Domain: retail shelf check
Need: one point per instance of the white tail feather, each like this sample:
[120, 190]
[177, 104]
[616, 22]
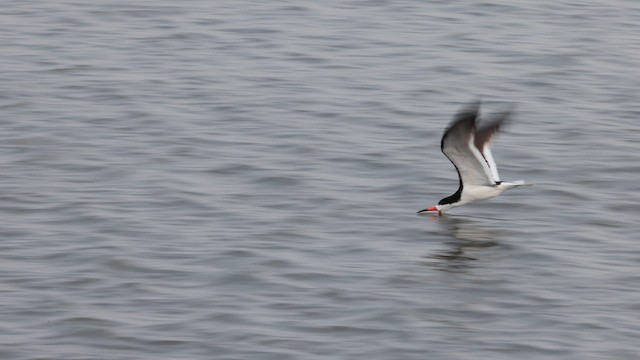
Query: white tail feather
[516, 183]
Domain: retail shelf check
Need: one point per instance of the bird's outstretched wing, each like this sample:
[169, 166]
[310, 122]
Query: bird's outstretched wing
[459, 146]
[485, 135]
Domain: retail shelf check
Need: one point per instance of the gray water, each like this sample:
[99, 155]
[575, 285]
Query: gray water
[239, 180]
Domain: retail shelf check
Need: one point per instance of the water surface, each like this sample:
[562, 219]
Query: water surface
[240, 180]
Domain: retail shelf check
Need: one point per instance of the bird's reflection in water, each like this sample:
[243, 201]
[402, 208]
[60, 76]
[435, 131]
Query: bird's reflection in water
[467, 237]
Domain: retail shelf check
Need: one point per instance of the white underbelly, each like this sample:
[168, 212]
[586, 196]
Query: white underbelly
[478, 193]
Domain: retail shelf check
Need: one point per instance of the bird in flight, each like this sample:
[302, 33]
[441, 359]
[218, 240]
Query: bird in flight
[466, 145]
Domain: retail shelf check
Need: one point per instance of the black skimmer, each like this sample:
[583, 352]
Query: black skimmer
[467, 146]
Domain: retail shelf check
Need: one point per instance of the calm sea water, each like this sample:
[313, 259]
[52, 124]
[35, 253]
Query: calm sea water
[239, 180]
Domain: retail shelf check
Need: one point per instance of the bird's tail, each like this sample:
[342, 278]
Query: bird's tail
[512, 184]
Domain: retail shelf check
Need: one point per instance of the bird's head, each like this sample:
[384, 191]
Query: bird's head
[442, 206]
